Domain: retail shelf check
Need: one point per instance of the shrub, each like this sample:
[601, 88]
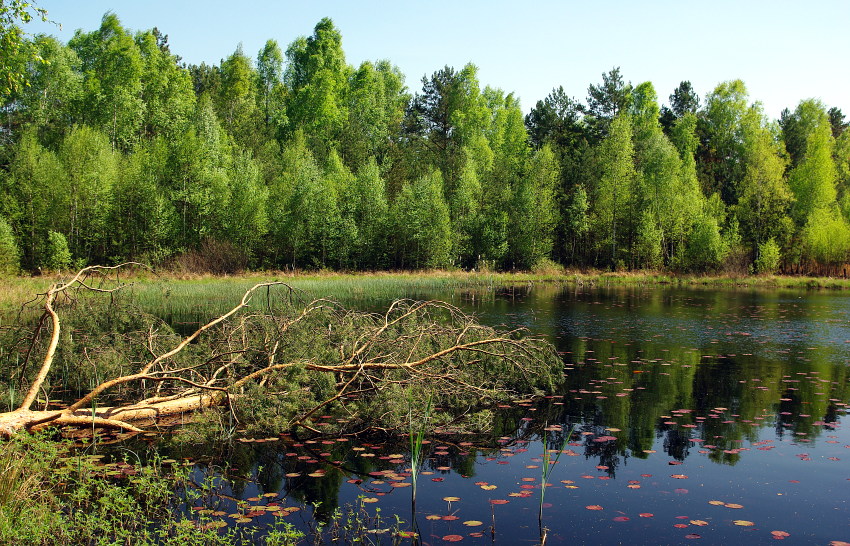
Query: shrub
[9, 254]
[705, 248]
[768, 258]
[214, 256]
[56, 254]
[547, 266]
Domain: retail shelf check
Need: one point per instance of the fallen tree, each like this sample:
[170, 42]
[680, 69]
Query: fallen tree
[282, 369]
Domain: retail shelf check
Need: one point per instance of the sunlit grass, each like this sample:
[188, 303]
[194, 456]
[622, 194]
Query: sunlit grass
[184, 296]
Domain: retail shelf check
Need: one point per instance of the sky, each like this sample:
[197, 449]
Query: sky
[784, 50]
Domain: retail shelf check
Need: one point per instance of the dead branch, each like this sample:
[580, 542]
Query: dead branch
[425, 343]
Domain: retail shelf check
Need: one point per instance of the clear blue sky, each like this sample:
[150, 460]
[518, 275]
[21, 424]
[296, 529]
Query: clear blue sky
[784, 50]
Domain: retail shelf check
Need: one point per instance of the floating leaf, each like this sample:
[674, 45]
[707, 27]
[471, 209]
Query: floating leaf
[646, 515]
[452, 538]
[717, 503]
[621, 518]
[699, 522]
[743, 523]
[432, 517]
[733, 505]
[451, 499]
[473, 523]
[780, 534]
[499, 501]
[594, 507]
[370, 499]
[679, 476]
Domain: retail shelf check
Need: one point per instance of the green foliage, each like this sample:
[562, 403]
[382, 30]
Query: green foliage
[826, 237]
[112, 67]
[555, 119]
[706, 249]
[14, 49]
[366, 207]
[167, 93]
[9, 253]
[615, 187]
[299, 159]
[768, 259]
[765, 198]
[141, 206]
[420, 221]
[725, 110]
[317, 75]
[90, 171]
[533, 213]
[605, 102]
[57, 256]
[814, 176]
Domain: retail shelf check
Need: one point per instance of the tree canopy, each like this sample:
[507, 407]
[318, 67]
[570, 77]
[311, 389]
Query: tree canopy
[113, 149]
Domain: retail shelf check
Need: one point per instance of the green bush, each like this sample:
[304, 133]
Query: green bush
[768, 258]
[9, 254]
[706, 248]
[57, 256]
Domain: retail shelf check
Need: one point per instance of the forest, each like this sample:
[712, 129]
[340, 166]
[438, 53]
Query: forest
[113, 149]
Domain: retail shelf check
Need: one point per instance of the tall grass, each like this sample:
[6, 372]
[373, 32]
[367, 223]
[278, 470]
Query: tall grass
[546, 470]
[202, 295]
[417, 436]
[18, 480]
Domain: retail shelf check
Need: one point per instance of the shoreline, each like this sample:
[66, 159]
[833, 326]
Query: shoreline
[20, 289]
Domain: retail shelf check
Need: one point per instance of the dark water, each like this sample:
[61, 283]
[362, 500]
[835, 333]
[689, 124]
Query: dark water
[698, 415]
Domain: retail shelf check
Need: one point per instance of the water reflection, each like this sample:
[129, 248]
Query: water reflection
[655, 380]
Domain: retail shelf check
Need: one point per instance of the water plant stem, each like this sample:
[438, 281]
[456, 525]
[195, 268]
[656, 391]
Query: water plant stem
[417, 435]
[546, 470]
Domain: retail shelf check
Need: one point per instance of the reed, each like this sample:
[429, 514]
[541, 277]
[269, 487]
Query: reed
[546, 470]
[417, 436]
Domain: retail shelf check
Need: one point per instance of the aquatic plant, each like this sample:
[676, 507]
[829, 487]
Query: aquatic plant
[548, 464]
[417, 436]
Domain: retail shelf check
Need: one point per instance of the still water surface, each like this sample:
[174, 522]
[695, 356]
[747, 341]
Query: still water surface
[712, 415]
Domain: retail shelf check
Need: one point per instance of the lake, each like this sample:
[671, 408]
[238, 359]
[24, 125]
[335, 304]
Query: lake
[697, 414]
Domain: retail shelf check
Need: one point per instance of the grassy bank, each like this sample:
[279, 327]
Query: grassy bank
[181, 293]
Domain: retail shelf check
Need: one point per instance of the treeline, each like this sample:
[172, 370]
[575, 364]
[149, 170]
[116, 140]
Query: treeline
[115, 150]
